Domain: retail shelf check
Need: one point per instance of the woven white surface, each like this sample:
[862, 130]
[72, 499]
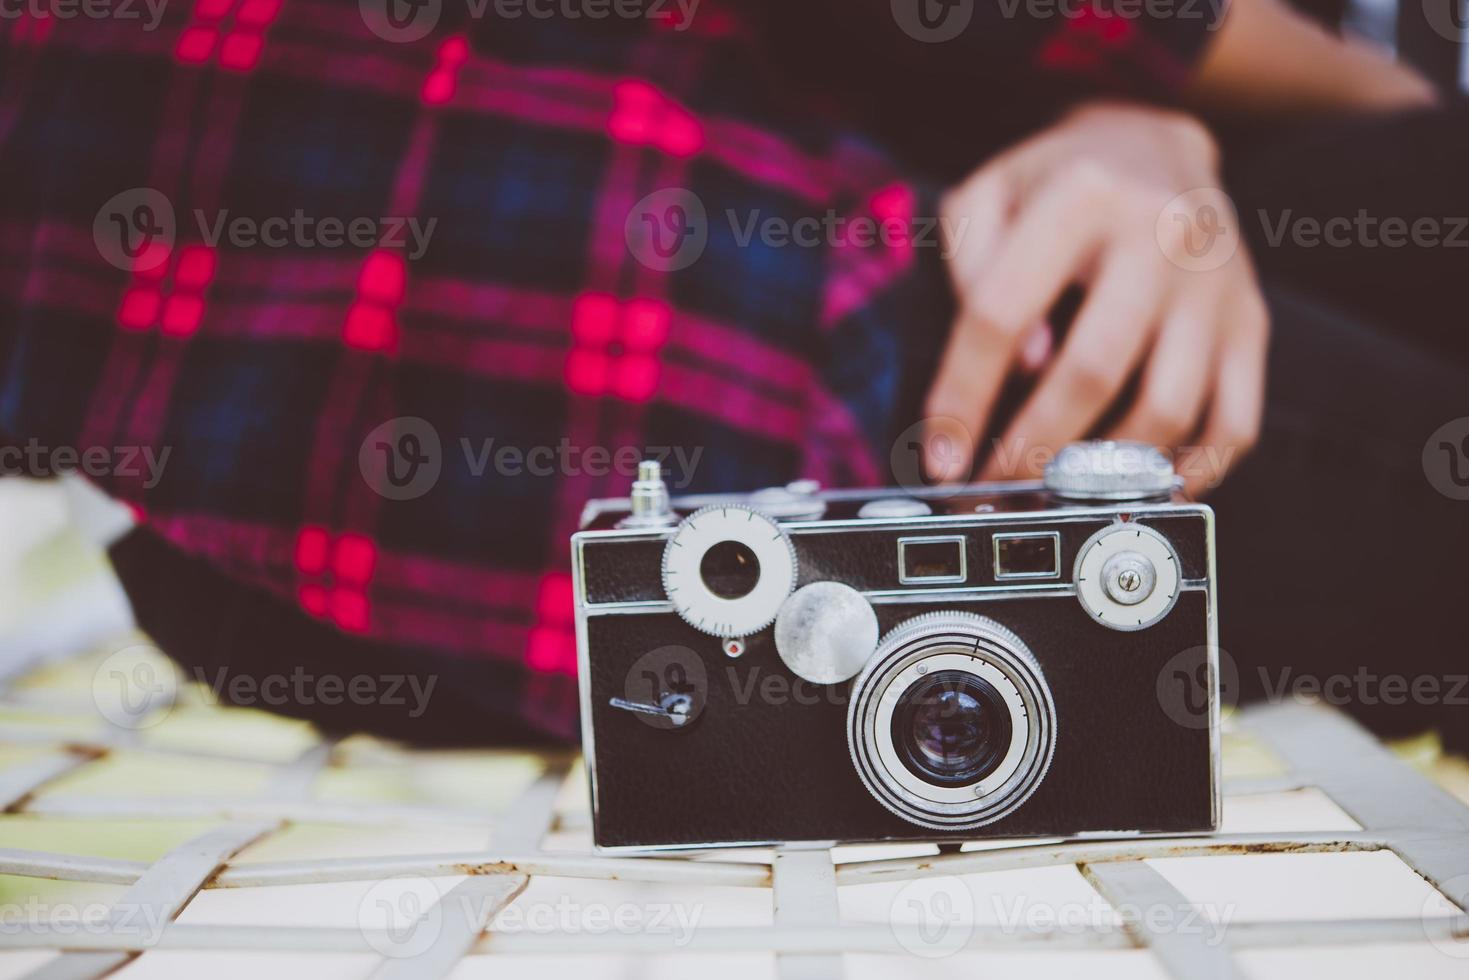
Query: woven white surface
[156, 834]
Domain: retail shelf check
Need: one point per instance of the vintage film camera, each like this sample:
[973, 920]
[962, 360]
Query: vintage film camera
[998, 660]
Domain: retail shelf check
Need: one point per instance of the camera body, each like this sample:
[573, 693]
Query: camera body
[1030, 659]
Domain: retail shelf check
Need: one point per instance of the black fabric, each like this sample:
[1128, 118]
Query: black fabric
[1339, 562]
[245, 644]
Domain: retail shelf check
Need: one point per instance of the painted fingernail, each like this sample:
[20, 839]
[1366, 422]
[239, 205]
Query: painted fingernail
[1035, 350]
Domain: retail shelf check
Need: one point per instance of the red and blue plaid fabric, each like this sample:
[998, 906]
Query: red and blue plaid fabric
[526, 320]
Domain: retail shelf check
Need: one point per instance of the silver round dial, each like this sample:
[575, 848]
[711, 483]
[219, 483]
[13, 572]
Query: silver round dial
[1104, 469]
[825, 633]
[727, 569]
[1127, 576]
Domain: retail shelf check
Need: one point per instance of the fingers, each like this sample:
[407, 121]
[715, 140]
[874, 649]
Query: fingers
[972, 218]
[1176, 383]
[1107, 340]
[1041, 253]
[1238, 405]
[974, 365]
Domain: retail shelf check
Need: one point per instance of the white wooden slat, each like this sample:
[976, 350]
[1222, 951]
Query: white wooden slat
[1154, 913]
[20, 781]
[155, 899]
[803, 889]
[1423, 824]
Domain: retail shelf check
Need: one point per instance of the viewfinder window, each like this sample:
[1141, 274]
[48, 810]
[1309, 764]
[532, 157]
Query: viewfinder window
[931, 560]
[1028, 555]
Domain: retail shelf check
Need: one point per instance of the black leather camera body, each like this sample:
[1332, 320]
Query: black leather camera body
[938, 664]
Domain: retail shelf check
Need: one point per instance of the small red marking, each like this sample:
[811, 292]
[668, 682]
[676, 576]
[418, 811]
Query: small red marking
[168, 290]
[550, 646]
[895, 201]
[616, 346]
[337, 571]
[313, 598]
[354, 558]
[645, 324]
[33, 26]
[349, 610]
[182, 315]
[384, 276]
[1081, 45]
[241, 52]
[370, 328]
[442, 80]
[372, 323]
[553, 599]
[594, 318]
[196, 44]
[311, 548]
[195, 268]
[643, 116]
[257, 13]
[139, 308]
[236, 33]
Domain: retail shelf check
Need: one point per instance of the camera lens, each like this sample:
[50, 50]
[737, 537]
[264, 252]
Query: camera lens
[730, 570]
[951, 728]
[951, 725]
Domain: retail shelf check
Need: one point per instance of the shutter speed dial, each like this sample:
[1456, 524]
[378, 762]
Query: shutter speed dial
[1127, 576]
[727, 569]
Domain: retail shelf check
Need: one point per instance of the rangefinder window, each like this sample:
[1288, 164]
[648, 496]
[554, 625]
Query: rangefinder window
[1028, 555]
[931, 560]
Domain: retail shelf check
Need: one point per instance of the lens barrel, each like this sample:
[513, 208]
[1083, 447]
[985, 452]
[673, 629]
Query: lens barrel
[951, 725]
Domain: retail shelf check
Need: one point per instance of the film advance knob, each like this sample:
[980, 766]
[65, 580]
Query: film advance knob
[1103, 469]
[1129, 577]
[826, 632]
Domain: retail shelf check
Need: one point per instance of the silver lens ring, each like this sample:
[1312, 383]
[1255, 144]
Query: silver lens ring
[969, 644]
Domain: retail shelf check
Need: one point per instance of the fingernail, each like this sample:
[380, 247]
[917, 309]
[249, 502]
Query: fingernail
[1035, 351]
[946, 462]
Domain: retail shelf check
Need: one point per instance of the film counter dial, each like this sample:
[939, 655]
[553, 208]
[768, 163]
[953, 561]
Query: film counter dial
[808, 665]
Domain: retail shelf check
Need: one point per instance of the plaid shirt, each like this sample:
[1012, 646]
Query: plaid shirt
[527, 330]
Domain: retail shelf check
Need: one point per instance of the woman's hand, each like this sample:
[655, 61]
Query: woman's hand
[1170, 293]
